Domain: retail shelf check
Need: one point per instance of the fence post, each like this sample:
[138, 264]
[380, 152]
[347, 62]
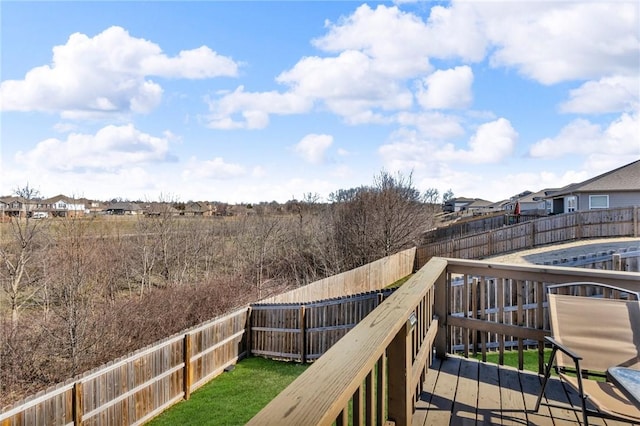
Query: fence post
[533, 233]
[399, 364]
[247, 331]
[77, 403]
[616, 262]
[579, 225]
[303, 335]
[187, 374]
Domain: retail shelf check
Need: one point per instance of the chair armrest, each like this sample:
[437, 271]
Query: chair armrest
[563, 348]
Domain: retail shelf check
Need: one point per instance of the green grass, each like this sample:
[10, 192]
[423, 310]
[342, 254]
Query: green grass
[233, 398]
[530, 358]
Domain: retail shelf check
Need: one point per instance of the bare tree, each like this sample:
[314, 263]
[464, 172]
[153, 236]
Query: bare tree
[17, 251]
[376, 221]
[75, 294]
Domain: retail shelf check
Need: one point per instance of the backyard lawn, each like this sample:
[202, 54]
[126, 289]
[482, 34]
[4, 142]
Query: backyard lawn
[234, 397]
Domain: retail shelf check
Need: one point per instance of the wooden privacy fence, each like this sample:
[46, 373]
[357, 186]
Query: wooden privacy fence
[606, 223]
[476, 225]
[370, 277]
[133, 389]
[304, 331]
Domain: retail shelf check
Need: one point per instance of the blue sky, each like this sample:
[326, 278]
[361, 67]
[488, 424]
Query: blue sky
[261, 101]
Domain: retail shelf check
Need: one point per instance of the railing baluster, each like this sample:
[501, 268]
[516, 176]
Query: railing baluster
[358, 400]
[370, 399]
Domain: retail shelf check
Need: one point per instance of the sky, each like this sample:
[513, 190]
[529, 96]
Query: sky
[259, 101]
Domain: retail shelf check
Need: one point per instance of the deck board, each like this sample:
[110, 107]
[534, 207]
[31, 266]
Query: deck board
[488, 398]
[459, 391]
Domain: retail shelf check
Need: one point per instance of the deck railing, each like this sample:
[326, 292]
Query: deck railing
[375, 373]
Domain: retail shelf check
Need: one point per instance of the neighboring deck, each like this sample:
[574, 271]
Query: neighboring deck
[461, 391]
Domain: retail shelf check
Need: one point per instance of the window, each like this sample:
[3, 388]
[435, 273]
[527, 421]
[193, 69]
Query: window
[572, 203]
[598, 201]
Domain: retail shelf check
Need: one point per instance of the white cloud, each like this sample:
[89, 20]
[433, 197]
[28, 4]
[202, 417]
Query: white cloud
[492, 142]
[198, 63]
[253, 108]
[432, 125]
[396, 42]
[583, 137]
[312, 147]
[111, 148]
[408, 154]
[107, 74]
[348, 84]
[609, 94]
[447, 89]
[571, 40]
[456, 32]
[216, 168]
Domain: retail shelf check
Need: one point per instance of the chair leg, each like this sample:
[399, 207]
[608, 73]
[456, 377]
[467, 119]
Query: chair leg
[583, 397]
[585, 420]
[547, 374]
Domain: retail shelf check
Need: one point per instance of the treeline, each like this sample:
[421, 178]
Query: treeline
[78, 292]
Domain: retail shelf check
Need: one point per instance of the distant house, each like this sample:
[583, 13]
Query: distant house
[479, 207]
[617, 188]
[123, 208]
[18, 206]
[531, 203]
[199, 208]
[61, 206]
[456, 204]
[467, 205]
[93, 206]
[160, 209]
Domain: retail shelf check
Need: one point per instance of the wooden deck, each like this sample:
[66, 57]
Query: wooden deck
[461, 391]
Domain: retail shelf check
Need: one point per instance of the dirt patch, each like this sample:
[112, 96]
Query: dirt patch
[542, 255]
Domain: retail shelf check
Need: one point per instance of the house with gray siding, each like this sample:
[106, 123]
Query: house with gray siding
[617, 188]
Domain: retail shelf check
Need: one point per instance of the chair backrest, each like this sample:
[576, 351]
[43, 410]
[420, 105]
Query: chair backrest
[604, 332]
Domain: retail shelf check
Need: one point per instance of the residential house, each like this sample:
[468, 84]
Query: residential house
[456, 204]
[479, 207]
[531, 203]
[62, 206]
[92, 206]
[18, 206]
[199, 208]
[123, 208]
[616, 188]
[161, 209]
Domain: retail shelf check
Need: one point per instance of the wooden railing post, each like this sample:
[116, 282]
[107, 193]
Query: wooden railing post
[77, 403]
[399, 372]
[187, 375]
[441, 311]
